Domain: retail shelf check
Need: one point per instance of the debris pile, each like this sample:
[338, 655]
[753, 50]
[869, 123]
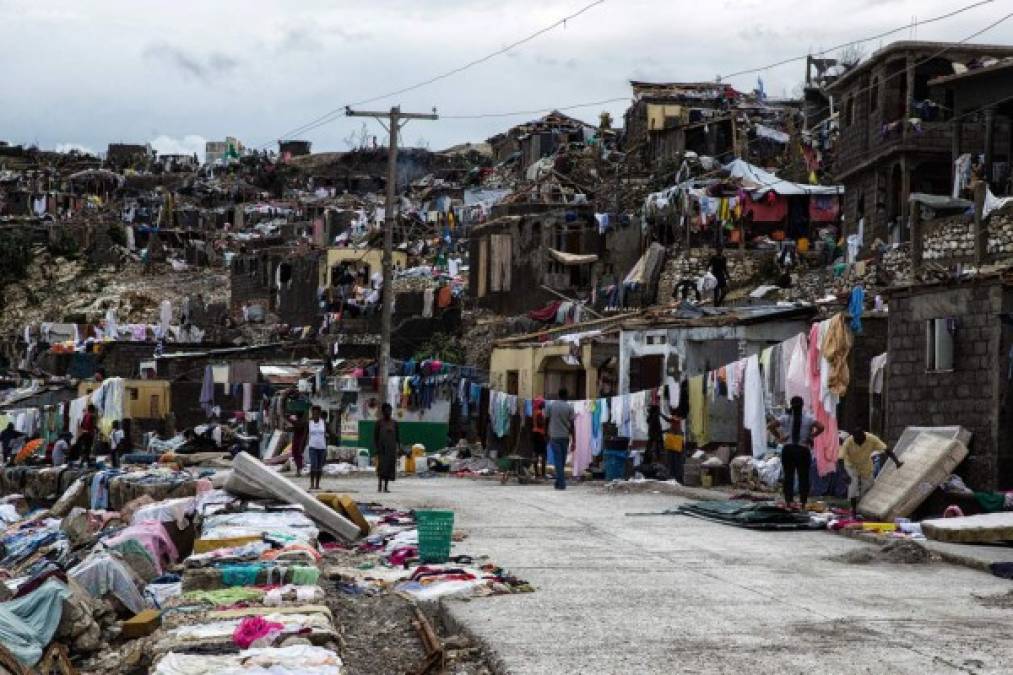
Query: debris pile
[204, 570]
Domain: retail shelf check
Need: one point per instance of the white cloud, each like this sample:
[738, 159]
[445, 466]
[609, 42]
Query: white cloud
[187, 145]
[194, 67]
[71, 147]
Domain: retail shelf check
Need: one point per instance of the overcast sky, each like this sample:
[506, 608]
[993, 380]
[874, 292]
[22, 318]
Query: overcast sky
[86, 73]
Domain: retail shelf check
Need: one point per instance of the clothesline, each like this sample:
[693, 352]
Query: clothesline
[810, 365]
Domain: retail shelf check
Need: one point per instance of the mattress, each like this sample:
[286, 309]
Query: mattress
[248, 472]
[982, 528]
[928, 458]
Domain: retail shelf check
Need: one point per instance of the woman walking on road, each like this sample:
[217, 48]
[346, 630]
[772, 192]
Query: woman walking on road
[386, 440]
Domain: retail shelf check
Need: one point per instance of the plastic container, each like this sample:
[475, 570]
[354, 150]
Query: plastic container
[435, 529]
[362, 458]
[615, 464]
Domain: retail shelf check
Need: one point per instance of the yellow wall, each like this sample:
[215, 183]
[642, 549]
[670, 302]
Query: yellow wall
[657, 113]
[145, 399]
[528, 362]
[371, 257]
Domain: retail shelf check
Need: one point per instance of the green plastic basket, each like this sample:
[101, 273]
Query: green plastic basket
[435, 529]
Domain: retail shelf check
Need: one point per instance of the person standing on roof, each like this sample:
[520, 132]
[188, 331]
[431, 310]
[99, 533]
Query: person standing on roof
[559, 414]
[317, 447]
[857, 454]
[718, 266]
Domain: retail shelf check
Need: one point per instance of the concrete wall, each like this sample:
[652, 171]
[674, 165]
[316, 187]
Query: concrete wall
[254, 280]
[853, 411]
[968, 395]
[533, 378]
[145, 399]
[371, 258]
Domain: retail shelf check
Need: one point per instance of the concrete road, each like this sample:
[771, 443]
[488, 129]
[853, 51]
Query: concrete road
[663, 594]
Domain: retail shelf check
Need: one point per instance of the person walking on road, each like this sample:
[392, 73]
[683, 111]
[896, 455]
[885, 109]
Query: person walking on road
[796, 430]
[386, 440]
[560, 428]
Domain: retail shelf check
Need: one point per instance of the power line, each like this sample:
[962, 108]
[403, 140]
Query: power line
[863, 40]
[574, 106]
[937, 54]
[875, 37]
[340, 110]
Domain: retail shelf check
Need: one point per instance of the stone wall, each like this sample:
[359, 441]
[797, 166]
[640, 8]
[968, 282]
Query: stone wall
[694, 263]
[953, 237]
[968, 394]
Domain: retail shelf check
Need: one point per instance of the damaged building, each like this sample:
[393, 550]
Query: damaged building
[895, 139]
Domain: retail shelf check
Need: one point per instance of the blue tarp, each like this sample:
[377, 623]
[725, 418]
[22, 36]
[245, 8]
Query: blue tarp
[27, 624]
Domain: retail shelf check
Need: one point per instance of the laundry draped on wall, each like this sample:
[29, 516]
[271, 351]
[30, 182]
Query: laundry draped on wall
[813, 366]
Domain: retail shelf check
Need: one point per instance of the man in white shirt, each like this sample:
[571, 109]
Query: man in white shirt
[60, 449]
[117, 443]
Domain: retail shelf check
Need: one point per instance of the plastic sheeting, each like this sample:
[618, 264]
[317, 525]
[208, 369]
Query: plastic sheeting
[27, 624]
[760, 182]
[292, 525]
[166, 511]
[297, 659]
[103, 573]
[573, 258]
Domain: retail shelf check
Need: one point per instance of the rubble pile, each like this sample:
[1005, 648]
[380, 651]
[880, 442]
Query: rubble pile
[165, 570]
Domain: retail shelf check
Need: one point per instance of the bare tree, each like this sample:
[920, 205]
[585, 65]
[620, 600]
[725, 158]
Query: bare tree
[358, 140]
[851, 55]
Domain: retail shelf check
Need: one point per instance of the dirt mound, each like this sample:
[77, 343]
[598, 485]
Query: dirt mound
[896, 552]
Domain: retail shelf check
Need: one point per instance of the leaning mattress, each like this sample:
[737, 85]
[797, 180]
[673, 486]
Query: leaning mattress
[928, 460]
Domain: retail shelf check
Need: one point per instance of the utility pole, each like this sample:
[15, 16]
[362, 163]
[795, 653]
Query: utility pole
[396, 121]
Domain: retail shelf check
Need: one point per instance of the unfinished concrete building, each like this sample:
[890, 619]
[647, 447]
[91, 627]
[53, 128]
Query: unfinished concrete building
[894, 139]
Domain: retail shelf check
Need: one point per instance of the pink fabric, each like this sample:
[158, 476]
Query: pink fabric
[153, 536]
[252, 628]
[204, 485]
[827, 444]
[582, 441]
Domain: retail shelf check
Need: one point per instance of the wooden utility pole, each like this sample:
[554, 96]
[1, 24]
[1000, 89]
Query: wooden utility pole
[396, 121]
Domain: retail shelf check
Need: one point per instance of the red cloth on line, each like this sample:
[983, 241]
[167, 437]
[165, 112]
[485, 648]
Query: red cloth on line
[767, 210]
[547, 313]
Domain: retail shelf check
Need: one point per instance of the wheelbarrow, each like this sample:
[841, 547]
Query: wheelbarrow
[515, 466]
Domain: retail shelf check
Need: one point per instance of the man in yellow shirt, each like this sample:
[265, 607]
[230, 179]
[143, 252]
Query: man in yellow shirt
[857, 454]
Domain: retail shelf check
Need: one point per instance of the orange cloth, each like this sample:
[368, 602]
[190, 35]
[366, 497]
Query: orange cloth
[27, 450]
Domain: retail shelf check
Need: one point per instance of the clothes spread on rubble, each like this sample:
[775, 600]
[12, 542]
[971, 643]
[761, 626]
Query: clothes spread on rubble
[28, 623]
[105, 573]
